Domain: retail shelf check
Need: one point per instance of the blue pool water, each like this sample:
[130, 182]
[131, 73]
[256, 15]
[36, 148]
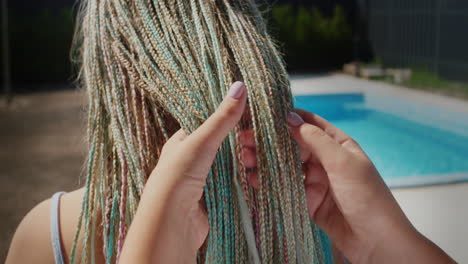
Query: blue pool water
[410, 144]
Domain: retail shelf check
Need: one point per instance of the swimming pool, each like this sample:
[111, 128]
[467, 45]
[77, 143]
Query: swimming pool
[410, 143]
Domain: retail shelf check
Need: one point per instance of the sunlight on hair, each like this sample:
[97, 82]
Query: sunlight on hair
[152, 67]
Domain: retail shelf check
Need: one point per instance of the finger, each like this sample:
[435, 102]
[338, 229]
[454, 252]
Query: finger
[314, 139]
[304, 153]
[316, 186]
[212, 132]
[178, 136]
[337, 134]
[175, 139]
[320, 122]
[252, 178]
[315, 195]
[247, 138]
[315, 174]
[249, 158]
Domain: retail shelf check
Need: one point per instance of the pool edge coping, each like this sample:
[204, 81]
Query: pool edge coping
[426, 180]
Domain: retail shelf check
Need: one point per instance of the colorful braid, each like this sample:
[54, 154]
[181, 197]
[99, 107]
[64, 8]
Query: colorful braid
[153, 67]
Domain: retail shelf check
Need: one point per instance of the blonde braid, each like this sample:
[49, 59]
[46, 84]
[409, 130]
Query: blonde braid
[153, 67]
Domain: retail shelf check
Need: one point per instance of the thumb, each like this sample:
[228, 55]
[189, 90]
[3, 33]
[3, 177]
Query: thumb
[315, 140]
[214, 130]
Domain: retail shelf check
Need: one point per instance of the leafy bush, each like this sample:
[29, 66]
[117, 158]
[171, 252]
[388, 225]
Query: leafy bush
[423, 78]
[309, 39]
[40, 42]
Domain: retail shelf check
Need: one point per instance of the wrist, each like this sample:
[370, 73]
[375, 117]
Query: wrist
[391, 246]
[406, 246]
[181, 224]
[161, 227]
[178, 199]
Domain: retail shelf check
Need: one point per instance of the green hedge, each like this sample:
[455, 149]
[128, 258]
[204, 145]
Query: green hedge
[423, 78]
[309, 39]
[40, 42]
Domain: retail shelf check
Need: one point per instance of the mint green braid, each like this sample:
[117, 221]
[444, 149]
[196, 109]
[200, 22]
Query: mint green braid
[153, 67]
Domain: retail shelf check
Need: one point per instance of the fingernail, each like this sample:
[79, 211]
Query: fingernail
[294, 119]
[236, 90]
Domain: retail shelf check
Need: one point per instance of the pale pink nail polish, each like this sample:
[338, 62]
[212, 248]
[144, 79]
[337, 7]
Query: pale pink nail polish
[236, 90]
[295, 119]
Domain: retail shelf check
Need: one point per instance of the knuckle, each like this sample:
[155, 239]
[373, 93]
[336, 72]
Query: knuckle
[352, 142]
[166, 148]
[313, 131]
[229, 110]
[171, 145]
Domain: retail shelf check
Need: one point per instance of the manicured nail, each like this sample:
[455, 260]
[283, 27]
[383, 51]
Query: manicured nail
[295, 119]
[236, 90]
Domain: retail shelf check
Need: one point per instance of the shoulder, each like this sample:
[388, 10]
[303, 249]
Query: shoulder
[33, 234]
[70, 208]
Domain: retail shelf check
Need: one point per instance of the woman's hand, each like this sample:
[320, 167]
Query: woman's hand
[348, 199]
[170, 224]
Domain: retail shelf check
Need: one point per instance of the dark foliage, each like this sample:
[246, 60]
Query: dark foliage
[40, 41]
[309, 39]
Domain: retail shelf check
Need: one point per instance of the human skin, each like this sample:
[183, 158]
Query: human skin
[345, 194]
[348, 199]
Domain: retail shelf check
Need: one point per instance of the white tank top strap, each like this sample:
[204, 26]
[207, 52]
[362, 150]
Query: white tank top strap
[55, 228]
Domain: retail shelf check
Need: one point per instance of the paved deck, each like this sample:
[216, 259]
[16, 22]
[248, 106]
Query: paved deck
[439, 212]
[42, 151]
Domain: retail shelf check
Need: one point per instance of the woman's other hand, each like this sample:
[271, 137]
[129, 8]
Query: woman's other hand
[347, 198]
[170, 224]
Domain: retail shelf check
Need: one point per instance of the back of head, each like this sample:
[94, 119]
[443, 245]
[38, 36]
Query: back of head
[152, 67]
